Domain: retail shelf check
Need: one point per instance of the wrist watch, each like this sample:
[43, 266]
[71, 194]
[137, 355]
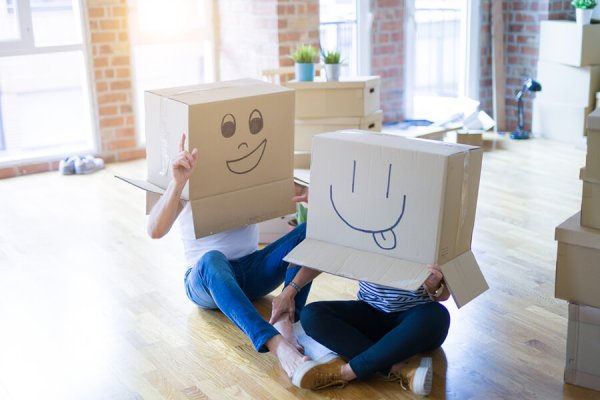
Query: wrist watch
[439, 290]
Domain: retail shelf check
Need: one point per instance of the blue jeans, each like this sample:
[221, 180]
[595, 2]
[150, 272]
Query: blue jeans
[232, 285]
[374, 340]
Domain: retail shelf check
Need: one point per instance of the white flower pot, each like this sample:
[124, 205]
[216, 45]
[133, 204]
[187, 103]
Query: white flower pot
[332, 72]
[583, 16]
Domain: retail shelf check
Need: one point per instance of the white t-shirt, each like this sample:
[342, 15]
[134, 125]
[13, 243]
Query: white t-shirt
[234, 244]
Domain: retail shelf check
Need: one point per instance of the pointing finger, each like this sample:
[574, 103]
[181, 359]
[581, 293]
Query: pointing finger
[182, 143]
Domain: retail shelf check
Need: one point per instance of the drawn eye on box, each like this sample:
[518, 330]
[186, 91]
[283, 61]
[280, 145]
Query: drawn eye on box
[383, 236]
[250, 158]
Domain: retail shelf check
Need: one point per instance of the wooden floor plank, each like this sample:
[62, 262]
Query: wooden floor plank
[91, 308]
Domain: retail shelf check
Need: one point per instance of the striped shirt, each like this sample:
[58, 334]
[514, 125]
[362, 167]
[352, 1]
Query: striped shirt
[389, 299]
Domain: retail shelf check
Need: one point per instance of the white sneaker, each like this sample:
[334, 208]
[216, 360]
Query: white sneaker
[88, 164]
[67, 165]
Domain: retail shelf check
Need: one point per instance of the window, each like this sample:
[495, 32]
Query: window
[441, 57]
[45, 108]
[171, 46]
[338, 30]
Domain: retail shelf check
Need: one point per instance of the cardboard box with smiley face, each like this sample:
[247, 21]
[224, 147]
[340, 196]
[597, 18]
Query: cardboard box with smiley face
[382, 208]
[244, 133]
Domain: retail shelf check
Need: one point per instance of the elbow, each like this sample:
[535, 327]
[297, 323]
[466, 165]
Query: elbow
[155, 233]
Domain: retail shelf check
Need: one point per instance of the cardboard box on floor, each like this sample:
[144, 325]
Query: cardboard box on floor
[307, 128]
[559, 121]
[382, 208]
[352, 97]
[590, 201]
[243, 130]
[567, 42]
[583, 347]
[567, 84]
[592, 161]
[577, 263]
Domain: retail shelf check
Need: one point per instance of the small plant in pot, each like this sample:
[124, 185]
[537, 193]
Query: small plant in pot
[332, 60]
[305, 56]
[584, 10]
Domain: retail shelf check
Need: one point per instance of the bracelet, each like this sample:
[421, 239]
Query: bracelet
[292, 284]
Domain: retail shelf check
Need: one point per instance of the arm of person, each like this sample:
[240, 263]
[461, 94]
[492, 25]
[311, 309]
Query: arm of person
[283, 304]
[165, 211]
[435, 285]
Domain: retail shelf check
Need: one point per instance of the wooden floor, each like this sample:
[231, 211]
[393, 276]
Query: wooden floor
[91, 308]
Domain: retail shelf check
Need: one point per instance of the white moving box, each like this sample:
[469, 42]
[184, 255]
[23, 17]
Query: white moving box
[383, 207]
[583, 347]
[244, 133]
[590, 201]
[567, 84]
[560, 121]
[567, 42]
[307, 128]
[592, 160]
[350, 97]
[577, 263]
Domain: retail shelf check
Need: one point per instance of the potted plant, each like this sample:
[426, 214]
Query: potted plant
[584, 10]
[305, 56]
[332, 65]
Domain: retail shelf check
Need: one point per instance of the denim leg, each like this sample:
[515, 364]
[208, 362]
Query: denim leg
[347, 327]
[265, 269]
[421, 328]
[214, 278]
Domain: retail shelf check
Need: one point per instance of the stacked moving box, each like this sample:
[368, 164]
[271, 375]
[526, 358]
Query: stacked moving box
[578, 271]
[330, 106]
[569, 71]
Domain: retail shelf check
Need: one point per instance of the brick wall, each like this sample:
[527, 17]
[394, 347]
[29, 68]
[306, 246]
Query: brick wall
[387, 55]
[297, 22]
[521, 45]
[111, 79]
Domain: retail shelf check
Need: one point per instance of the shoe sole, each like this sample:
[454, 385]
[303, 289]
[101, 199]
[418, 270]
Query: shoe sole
[422, 381]
[307, 366]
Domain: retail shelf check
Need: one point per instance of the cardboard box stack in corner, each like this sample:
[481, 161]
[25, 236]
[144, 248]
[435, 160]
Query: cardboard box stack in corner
[351, 103]
[383, 207]
[243, 130]
[578, 270]
[569, 72]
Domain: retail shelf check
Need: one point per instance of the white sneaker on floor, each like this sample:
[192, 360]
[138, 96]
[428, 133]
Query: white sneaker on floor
[88, 164]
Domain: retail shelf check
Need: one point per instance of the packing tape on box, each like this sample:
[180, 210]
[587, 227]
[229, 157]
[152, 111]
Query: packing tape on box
[463, 197]
[163, 138]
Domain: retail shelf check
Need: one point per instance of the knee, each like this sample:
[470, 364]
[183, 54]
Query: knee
[210, 264]
[438, 319]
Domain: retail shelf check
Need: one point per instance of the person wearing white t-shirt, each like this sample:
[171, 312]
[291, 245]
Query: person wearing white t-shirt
[227, 271]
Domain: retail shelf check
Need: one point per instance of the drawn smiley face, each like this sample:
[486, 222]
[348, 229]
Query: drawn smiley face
[250, 159]
[384, 236]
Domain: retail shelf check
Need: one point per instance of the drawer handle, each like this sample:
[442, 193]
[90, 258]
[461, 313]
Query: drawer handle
[372, 90]
[372, 125]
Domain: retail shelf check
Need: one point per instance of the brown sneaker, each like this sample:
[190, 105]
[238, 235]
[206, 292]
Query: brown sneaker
[416, 375]
[320, 374]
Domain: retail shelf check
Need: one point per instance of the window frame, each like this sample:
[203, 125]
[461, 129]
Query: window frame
[25, 45]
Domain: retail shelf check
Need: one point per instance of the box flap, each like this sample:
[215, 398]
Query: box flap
[142, 184]
[464, 278]
[358, 264]
[219, 91]
[343, 83]
[572, 232]
[593, 120]
[243, 207]
[302, 176]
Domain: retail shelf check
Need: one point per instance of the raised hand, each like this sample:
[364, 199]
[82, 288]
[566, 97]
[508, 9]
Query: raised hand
[184, 163]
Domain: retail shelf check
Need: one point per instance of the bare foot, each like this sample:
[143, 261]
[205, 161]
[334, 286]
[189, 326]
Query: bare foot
[284, 326]
[289, 358]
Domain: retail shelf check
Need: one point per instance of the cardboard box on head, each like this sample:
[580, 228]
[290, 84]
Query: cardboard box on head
[244, 133]
[382, 208]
